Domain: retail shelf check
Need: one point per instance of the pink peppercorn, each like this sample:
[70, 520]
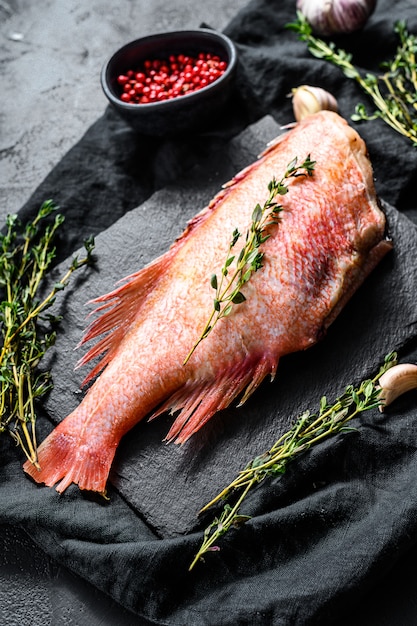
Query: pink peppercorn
[162, 79]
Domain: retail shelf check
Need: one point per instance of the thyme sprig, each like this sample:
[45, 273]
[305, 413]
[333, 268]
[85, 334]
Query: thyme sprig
[393, 92]
[308, 430]
[228, 285]
[27, 331]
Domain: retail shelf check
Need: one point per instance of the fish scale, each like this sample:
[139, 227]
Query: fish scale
[330, 236]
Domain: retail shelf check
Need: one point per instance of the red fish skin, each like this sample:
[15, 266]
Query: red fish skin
[330, 237]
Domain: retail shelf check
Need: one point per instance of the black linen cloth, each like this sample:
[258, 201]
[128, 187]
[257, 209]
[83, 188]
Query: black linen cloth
[324, 535]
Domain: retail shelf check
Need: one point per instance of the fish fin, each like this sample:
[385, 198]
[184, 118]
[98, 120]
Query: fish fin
[63, 459]
[198, 401]
[117, 310]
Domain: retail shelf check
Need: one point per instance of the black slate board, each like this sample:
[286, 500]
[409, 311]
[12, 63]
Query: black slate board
[168, 484]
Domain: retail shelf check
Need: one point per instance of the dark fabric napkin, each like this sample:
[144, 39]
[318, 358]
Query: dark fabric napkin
[322, 536]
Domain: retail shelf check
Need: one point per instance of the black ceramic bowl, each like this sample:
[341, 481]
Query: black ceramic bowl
[185, 113]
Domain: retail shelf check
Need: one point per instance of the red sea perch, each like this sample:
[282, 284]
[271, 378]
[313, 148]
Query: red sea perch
[331, 235]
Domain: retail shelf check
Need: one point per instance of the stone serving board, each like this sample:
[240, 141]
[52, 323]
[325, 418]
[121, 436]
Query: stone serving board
[168, 484]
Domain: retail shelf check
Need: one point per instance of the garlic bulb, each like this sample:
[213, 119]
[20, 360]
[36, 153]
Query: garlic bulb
[396, 381]
[307, 100]
[330, 17]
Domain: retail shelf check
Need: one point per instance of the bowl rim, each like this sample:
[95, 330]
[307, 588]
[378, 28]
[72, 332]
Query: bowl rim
[199, 93]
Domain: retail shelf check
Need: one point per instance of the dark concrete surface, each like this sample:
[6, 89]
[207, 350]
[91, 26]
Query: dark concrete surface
[51, 54]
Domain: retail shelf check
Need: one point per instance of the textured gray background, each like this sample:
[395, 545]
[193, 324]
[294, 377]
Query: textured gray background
[51, 54]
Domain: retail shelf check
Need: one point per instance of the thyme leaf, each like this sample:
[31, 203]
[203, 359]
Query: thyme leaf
[27, 329]
[308, 430]
[394, 92]
[228, 285]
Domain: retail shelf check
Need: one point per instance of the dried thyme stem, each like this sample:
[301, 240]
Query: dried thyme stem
[228, 286]
[308, 430]
[26, 255]
[394, 93]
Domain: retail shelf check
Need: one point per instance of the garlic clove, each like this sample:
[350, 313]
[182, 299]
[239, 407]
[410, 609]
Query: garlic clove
[330, 17]
[307, 100]
[396, 381]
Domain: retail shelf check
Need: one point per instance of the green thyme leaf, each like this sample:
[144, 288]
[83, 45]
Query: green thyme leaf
[26, 255]
[393, 93]
[308, 430]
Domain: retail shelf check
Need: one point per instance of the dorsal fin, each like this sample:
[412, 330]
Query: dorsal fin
[117, 311]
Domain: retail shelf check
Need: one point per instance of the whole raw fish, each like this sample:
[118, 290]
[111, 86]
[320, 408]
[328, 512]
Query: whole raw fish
[330, 236]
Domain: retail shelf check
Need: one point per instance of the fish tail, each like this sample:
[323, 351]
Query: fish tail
[64, 459]
[198, 401]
